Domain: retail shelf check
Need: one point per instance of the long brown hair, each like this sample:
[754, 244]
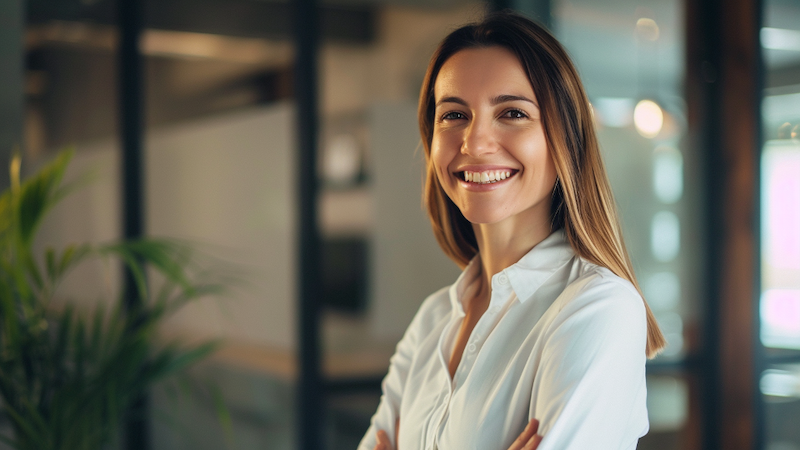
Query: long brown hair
[583, 204]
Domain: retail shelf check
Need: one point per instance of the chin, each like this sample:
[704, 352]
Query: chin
[480, 216]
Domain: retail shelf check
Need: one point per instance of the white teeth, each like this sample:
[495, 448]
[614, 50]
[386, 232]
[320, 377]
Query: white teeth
[489, 176]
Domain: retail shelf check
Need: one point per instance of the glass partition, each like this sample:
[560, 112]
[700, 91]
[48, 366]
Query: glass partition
[780, 224]
[630, 57]
[220, 175]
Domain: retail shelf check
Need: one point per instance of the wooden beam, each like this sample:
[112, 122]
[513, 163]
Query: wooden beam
[724, 96]
[246, 18]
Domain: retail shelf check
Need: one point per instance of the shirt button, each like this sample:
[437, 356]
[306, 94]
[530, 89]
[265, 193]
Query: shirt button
[503, 279]
[472, 348]
[494, 310]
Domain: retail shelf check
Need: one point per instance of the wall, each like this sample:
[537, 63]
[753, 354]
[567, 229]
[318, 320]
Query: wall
[225, 184]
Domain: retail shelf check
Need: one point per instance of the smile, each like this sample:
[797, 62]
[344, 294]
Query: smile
[486, 177]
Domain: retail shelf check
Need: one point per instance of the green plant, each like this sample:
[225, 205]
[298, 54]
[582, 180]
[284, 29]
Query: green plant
[68, 376]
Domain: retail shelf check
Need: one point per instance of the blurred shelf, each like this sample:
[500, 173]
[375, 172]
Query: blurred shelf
[368, 362]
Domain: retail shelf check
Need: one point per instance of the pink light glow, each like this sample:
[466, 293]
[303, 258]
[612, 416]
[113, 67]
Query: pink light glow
[780, 312]
[783, 210]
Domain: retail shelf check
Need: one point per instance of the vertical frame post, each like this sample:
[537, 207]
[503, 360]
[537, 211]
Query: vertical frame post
[724, 95]
[130, 19]
[12, 27]
[310, 393]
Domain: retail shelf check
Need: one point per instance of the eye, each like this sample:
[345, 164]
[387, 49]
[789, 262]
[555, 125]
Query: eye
[514, 114]
[453, 115]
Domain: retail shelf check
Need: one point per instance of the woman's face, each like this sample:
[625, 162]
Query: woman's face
[488, 149]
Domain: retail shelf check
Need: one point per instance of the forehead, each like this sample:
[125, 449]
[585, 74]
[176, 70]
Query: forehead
[477, 72]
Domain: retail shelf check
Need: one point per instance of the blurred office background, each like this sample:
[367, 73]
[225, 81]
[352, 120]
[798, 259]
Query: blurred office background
[697, 105]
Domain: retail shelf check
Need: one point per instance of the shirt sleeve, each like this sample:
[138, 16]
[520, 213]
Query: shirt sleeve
[590, 390]
[393, 385]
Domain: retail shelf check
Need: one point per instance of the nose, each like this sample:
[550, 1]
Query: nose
[479, 139]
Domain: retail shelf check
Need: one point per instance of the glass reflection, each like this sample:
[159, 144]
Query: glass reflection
[672, 326]
[662, 291]
[780, 301]
[667, 402]
[667, 174]
[665, 236]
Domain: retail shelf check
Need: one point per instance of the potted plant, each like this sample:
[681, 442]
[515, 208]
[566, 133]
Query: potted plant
[68, 376]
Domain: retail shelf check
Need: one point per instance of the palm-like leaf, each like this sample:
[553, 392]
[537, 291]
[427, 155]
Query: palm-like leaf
[66, 378]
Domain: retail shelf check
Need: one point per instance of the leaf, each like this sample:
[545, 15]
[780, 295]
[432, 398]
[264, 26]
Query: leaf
[33, 270]
[60, 346]
[6, 214]
[167, 257]
[9, 334]
[24, 427]
[95, 345]
[9, 442]
[78, 339]
[50, 264]
[38, 194]
[132, 263]
[72, 255]
[182, 360]
[223, 414]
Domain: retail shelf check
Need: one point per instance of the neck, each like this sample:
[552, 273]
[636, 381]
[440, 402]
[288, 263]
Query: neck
[503, 243]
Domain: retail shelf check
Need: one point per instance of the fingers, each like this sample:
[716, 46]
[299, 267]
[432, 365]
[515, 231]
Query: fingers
[528, 439]
[533, 443]
[383, 441]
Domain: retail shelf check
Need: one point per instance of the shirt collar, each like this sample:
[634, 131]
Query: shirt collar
[532, 270]
[526, 275]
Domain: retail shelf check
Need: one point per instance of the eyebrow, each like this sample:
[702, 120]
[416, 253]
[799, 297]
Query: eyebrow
[494, 101]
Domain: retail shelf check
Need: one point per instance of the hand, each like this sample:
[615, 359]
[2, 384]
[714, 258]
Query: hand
[383, 441]
[527, 440]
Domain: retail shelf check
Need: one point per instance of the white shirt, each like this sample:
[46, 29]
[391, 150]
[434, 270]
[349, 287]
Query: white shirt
[563, 341]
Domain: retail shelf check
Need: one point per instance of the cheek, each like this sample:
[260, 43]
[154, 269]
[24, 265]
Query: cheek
[533, 152]
[440, 157]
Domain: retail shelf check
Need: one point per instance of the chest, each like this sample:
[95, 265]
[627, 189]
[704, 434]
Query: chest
[482, 399]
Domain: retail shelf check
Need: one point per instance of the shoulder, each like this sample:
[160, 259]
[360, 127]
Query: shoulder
[597, 286]
[597, 304]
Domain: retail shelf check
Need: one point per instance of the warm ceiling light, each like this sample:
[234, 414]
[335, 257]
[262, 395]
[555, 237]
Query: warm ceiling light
[647, 29]
[211, 46]
[175, 44]
[648, 118]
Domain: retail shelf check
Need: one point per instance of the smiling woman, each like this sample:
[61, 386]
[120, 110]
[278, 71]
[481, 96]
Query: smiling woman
[546, 326]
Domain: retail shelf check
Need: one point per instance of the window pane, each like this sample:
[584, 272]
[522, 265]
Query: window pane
[780, 388]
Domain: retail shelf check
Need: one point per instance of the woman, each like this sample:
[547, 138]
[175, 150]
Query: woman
[546, 321]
